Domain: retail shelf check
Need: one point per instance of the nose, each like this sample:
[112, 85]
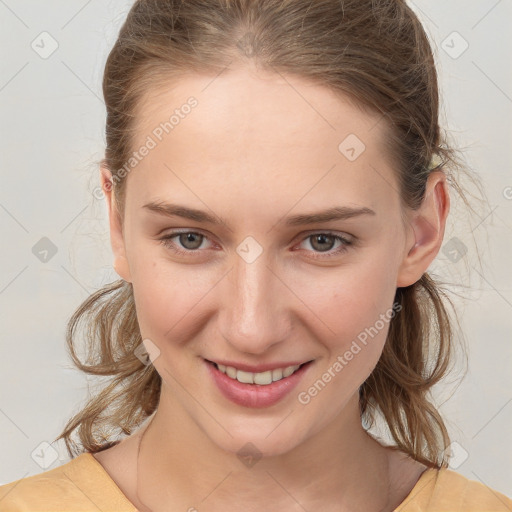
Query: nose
[254, 307]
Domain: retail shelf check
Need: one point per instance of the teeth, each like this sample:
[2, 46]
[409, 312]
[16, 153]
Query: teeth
[263, 378]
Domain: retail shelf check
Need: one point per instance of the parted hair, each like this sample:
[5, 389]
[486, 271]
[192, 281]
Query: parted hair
[374, 52]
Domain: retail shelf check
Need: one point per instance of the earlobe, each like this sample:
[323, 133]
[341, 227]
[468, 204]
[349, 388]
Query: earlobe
[428, 226]
[120, 264]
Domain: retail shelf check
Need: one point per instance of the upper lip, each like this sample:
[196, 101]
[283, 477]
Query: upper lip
[258, 368]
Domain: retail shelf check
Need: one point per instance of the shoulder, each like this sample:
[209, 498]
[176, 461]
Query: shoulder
[446, 490]
[35, 490]
[79, 485]
[470, 494]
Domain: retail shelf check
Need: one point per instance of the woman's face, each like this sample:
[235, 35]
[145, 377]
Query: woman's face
[262, 279]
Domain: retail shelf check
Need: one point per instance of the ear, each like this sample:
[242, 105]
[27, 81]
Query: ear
[121, 265]
[427, 230]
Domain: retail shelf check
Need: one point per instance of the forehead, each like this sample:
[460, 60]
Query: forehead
[251, 100]
[274, 133]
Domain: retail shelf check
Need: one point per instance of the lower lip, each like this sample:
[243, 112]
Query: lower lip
[255, 395]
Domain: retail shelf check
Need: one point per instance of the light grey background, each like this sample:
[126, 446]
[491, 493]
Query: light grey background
[52, 123]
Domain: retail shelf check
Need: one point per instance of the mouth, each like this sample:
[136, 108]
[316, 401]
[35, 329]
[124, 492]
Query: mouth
[256, 390]
[262, 378]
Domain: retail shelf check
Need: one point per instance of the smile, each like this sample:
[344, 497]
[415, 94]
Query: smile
[256, 389]
[262, 378]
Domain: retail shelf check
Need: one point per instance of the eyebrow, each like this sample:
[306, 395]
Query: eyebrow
[330, 214]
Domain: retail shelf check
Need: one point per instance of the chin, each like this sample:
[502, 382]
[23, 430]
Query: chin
[261, 439]
[251, 448]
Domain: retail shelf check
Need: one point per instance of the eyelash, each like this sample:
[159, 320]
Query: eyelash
[166, 242]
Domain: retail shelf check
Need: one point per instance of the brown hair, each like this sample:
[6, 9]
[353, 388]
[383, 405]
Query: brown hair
[376, 53]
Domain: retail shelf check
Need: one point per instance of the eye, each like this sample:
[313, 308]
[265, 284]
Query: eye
[325, 242]
[189, 242]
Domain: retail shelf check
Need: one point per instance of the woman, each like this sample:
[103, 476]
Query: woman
[277, 187]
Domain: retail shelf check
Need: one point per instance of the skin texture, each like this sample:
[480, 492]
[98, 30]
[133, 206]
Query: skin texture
[257, 148]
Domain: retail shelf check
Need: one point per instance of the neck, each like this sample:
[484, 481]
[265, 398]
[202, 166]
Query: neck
[340, 466]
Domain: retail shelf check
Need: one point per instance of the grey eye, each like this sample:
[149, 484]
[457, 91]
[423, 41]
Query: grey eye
[191, 240]
[322, 242]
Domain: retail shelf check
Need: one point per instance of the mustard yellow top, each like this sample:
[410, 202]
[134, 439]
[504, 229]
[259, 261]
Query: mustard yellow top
[83, 485]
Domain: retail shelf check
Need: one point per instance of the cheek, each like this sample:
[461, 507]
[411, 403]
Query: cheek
[348, 299]
[358, 308]
[168, 299]
[353, 308]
